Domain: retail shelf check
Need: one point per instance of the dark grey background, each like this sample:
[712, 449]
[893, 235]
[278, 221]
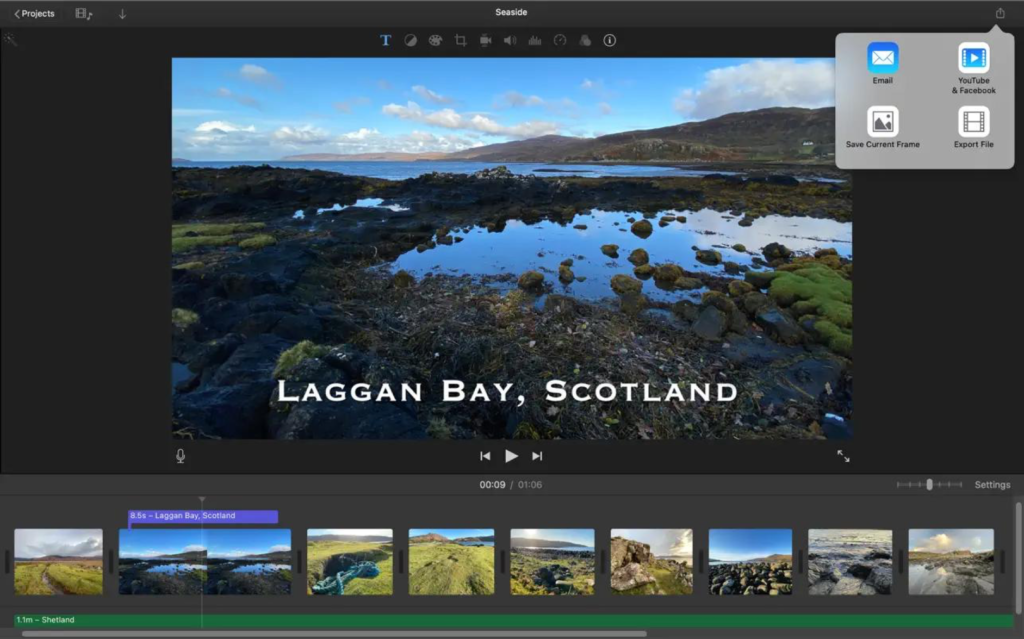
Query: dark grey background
[85, 288]
[598, 502]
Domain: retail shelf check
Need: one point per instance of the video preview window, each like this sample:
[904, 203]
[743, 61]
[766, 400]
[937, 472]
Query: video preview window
[458, 249]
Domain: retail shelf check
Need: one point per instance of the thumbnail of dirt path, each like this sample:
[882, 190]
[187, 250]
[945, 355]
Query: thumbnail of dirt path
[53, 589]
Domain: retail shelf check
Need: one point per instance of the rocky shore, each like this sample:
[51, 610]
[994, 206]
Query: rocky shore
[545, 571]
[955, 573]
[752, 578]
[260, 294]
[636, 571]
[871, 574]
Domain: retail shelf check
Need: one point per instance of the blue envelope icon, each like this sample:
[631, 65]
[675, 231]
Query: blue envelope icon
[883, 57]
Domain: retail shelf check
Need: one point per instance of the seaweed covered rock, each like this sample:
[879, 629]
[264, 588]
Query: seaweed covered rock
[760, 279]
[639, 257]
[739, 288]
[667, 274]
[709, 257]
[531, 281]
[403, 279]
[642, 228]
[687, 283]
[644, 271]
[565, 274]
[626, 285]
[611, 250]
[776, 251]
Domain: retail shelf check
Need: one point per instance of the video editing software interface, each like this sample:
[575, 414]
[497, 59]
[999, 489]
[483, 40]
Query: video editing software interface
[526, 319]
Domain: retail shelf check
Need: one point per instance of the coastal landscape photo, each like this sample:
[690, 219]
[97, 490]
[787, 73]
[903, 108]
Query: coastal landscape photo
[211, 561]
[952, 561]
[584, 249]
[451, 561]
[349, 561]
[58, 561]
[750, 561]
[849, 562]
[652, 561]
[553, 561]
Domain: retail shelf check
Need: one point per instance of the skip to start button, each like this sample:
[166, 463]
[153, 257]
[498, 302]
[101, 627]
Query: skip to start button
[35, 14]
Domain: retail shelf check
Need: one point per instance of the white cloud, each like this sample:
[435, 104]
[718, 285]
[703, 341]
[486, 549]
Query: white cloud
[450, 119]
[515, 99]
[757, 85]
[280, 548]
[301, 135]
[223, 127]
[361, 134]
[598, 88]
[245, 100]
[258, 75]
[604, 108]
[431, 96]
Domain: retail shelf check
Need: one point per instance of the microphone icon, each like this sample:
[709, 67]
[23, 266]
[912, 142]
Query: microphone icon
[180, 455]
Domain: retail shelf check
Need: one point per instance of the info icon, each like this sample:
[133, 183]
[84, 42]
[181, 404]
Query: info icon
[883, 121]
[883, 57]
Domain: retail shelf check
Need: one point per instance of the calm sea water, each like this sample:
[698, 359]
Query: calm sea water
[544, 245]
[405, 170]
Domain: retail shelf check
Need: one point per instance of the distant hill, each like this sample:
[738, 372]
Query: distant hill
[429, 537]
[363, 157]
[544, 543]
[489, 538]
[179, 160]
[520, 150]
[58, 558]
[362, 538]
[771, 559]
[773, 134]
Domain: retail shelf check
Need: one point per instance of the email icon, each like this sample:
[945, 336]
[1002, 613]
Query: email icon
[883, 57]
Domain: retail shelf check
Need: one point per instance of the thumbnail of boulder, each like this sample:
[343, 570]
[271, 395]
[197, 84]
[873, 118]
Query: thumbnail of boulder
[771, 575]
[637, 571]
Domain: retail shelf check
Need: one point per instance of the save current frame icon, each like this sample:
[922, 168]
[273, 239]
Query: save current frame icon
[883, 121]
[883, 58]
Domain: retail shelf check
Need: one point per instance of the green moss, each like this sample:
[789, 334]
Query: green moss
[438, 428]
[183, 230]
[295, 355]
[258, 241]
[183, 318]
[179, 244]
[824, 290]
[838, 340]
[189, 266]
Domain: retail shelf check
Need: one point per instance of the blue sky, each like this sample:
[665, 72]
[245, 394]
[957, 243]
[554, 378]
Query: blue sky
[582, 536]
[949, 539]
[453, 533]
[738, 544]
[664, 542]
[219, 542]
[263, 109]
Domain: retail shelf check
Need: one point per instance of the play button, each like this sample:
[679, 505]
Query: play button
[509, 456]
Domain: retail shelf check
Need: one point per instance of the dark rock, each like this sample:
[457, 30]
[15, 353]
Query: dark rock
[710, 324]
[639, 257]
[780, 326]
[709, 257]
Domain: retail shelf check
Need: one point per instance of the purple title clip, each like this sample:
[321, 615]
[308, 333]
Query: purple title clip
[201, 517]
